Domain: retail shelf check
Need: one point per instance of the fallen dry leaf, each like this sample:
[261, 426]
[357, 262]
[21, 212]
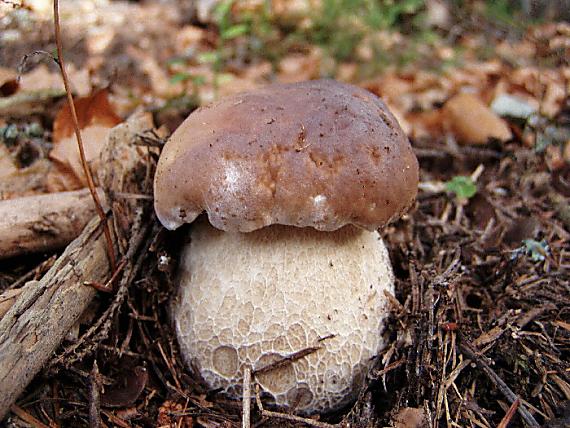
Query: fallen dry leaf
[96, 117]
[472, 122]
[410, 417]
[394, 89]
[299, 67]
[167, 416]
[92, 110]
[16, 182]
[160, 82]
[127, 389]
[425, 124]
[188, 38]
[6, 74]
[7, 165]
[41, 79]
[25, 181]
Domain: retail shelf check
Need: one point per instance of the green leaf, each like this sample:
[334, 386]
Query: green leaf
[234, 31]
[179, 77]
[223, 78]
[198, 80]
[536, 250]
[208, 57]
[463, 187]
[176, 61]
[222, 12]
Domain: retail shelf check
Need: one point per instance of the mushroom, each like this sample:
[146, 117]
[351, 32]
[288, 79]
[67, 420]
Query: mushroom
[310, 171]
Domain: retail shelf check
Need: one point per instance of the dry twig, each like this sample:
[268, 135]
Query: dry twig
[286, 416]
[95, 397]
[246, 402]
[26, 417]
[509, 415]
[468, 350]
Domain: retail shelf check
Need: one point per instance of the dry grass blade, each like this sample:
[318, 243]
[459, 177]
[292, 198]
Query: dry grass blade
[90, 183]
[287, 359]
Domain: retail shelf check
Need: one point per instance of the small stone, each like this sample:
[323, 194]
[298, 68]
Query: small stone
[512, 106]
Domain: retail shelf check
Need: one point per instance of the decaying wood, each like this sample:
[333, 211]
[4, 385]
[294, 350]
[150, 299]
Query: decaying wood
[46, 310]
[43, 222]
[7, 299]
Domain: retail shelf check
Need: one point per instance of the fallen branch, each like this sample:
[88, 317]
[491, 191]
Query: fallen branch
[46, 310]
[43, 222]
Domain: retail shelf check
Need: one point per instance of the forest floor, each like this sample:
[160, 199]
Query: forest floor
[480, 322]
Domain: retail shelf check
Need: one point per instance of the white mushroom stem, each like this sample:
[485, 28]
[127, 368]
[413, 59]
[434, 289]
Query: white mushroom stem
[251, 299]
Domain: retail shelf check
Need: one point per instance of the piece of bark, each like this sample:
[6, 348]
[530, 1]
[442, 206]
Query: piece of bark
[43, 222]
[45, 311]
[7, 299]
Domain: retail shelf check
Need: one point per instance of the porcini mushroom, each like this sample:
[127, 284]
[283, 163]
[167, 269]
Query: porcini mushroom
[311, 170]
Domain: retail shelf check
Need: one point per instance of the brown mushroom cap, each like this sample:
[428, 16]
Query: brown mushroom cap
[321, 154]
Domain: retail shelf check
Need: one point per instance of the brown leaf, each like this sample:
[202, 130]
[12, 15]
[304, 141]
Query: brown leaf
[156, 73]
[167, 416]
[96, 117]
[92, 110]
[41, 79]
[472, 122]
[127, 390]
[7, 165]
[425, 124]
[299, 67]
